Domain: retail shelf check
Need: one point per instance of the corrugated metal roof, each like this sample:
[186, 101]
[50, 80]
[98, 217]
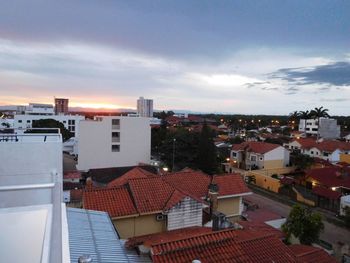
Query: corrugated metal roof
[134, 257]
[92, 233]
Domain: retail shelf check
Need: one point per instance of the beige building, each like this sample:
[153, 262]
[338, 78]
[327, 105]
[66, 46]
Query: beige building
[258, 155]
[155, 204]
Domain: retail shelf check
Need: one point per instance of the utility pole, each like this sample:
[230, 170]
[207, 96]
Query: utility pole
[172, 168]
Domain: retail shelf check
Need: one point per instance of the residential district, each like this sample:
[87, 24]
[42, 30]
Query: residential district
[158, 186]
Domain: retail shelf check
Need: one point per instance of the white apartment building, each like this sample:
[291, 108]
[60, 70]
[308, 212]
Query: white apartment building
[326, 128]
[114, 141]
[70, 122]
[145, 107]
[39, 109]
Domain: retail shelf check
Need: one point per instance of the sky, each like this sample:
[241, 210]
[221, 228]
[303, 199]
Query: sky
[239, 56]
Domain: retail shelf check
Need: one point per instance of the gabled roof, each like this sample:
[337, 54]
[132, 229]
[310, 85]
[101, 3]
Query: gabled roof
[197, 183]
[190, 181]
[325, 192]
[324, 145]
[224, 246]
[309, 254]
[106, 175]
[136, 172]
[333, 176]
[255, 147]
[116, 201]
[230, 184]
[305, 143]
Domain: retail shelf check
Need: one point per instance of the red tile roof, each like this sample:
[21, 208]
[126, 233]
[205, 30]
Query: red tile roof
[308, 254]
[261, 215]
[255, 147]
[190, 181]
[72, 175]
[331, 176]
[168, 236]
[197, 183]
[262, 227]
[324, 192]
[76, 195]
[116, 201]
[134, 173]
[224, 246]
[325, 145]
[230, 184]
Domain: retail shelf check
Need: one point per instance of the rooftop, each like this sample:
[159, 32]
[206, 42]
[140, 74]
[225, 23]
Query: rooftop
[255, 147]
[333, 176]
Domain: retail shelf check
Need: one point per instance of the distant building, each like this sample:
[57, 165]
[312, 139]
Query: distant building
[70, 122]
[39, 109]
[259, 155]
[145, 107]
[114, 141]
[326, 128]
[61, 106]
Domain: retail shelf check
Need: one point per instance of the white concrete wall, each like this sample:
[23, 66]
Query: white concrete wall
[279, 153]
[95, 143]
[29, 162]
[186, 214]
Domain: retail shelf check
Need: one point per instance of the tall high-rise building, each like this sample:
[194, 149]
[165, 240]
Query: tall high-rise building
[61, 106]
[145, 107]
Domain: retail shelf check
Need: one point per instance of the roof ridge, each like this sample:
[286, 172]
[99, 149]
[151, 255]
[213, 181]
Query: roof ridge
[104, 188]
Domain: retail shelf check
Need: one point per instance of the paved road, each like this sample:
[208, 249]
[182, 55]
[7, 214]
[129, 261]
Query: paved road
[332, 233]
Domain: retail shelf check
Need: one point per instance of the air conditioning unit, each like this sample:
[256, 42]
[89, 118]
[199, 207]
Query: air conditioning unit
[160, 217]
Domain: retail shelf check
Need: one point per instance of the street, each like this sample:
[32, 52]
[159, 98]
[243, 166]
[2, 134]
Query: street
[332, 233]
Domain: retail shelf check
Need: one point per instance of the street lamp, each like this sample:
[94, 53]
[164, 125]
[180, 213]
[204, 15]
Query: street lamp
[174, 140]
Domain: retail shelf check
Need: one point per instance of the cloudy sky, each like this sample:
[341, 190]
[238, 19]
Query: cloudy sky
[253, 57]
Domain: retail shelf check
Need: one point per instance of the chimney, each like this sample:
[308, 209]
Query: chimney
[85, 259]
[213, 197]
[89, 184]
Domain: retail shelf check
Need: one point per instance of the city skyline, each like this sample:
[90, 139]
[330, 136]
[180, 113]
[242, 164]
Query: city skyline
[246, 57]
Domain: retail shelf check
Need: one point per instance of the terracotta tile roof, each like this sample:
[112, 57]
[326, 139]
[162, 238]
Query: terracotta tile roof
[72, 175]
[261, 215]
[262, 227]
[325, 145]
[324, 192]
[196, 183]
[168, 236]
[134, 173]
[308, 254]
[116, 201]
[105, 175]
[255, 147]
[190, 181]
[306, 143]
[224, 246]
[230, 184]
[331, 176]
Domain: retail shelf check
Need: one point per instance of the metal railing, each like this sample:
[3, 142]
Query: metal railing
[25, 135]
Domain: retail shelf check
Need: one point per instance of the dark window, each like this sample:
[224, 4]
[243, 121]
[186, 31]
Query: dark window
[28, 121]
[19, 121]
[115, 148]
[115, 122]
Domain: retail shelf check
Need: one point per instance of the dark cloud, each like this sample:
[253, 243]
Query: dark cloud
[337, 74]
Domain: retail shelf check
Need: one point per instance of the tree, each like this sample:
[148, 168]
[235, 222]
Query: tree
[304, 115]
[304, 225]
[294, 117]
[302, 161]
[51, 123]
[207, 156]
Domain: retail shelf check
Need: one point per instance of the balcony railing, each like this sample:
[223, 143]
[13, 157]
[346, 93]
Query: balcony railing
[25, 135]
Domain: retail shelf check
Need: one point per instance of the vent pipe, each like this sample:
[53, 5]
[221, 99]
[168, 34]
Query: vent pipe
[85, 259]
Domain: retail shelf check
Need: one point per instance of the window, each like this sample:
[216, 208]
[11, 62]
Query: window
[253, 158]
[71, 122]
[28, 121]
[261, 158]
[19, 121]
[64, 121]
[234, 154]
[312, 152]
[325, 154]
[314, 129]
[115, 123]
[115, 148]
[115, 137]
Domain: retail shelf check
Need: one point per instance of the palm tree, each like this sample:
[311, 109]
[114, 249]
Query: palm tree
[294, 117]
[318, 113]
[304, 115]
